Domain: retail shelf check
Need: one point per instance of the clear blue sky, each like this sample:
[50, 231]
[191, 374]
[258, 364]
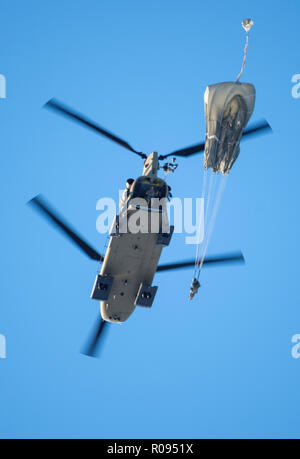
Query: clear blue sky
[219, 366]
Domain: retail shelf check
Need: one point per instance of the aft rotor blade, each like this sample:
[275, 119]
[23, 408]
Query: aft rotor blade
[235, 257]
[260, 127]
[61, 108]
[257, 128]
[92, 348]
[41, 206]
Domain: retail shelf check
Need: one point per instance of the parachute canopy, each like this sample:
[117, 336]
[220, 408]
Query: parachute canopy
[228, 108]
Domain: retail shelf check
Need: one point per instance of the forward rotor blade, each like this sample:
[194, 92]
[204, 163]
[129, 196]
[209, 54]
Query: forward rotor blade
[41, 206]
[59, 107]
[257, 128]
[93, 345]
[185, 152]
[235, 257]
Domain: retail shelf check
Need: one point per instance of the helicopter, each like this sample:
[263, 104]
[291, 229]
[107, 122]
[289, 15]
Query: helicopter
[132, 258]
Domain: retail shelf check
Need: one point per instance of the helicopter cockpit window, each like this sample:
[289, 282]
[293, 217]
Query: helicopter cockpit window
[148, 188]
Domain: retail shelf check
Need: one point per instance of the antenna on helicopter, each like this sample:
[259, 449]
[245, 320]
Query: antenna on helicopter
[169, 167]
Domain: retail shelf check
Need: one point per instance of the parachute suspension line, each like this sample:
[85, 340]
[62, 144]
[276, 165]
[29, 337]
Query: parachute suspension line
[209, 194]
[197, 258]
[219, 193]
[246, 24]
[200, 244]
[209, 210]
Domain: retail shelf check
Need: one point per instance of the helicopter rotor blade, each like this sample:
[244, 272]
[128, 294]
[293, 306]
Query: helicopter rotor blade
[185, 152]
[42, 207]
[260, 127]
[230, 258]
[92, 347]
[257, 128]
[61, 108]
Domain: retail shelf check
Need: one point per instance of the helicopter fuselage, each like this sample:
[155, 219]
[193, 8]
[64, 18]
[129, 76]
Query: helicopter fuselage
[131, 259]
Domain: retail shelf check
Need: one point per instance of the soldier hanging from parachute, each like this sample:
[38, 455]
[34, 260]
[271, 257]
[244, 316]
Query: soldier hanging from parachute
[228, 108]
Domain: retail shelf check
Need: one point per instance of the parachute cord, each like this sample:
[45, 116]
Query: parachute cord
[197, 258]
[213, 217]
[209, 202]
[210, 192]
[207, 217]
[220, 191]
[244, 60]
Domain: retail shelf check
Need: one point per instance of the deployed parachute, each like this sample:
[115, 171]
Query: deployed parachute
[228, 108]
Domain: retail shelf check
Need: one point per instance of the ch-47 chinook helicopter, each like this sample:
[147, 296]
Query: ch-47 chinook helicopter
[131, 259]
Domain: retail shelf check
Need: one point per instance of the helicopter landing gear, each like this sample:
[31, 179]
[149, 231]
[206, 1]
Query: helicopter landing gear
[145, 296]
[165, 238]
[102, 288]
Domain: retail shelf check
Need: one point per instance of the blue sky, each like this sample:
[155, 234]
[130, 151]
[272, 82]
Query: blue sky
[219, 366]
